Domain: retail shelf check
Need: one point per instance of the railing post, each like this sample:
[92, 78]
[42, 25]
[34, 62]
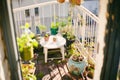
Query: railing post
[83, 27]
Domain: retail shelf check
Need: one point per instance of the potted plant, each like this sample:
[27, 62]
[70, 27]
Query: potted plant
[28, 71]
[89, 71]
[61, 1]
[54, 28]
[46, 37]
[42, 29]
[70, 38]
[26, 44]
[77, 64]
[75, 2]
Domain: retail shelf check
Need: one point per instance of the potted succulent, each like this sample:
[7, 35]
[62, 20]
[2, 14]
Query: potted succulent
[54, 28]
[26, 44]
[77, 64]
[46, 37]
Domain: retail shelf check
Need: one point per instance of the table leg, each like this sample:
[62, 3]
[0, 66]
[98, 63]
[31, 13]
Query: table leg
[45, 54]
[62, 52]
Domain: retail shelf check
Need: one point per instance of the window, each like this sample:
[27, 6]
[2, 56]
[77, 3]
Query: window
[36, 11]
[27, 13]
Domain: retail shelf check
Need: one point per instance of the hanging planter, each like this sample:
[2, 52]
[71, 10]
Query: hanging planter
[61, 1]
[78, 2]
[75, 2]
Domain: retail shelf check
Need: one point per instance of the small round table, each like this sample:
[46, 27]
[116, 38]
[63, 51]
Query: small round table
[50, 44]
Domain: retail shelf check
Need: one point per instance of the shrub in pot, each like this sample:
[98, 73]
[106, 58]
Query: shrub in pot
[26, 43]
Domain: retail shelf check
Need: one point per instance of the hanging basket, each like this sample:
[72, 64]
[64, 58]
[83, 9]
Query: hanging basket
[75, 2]
[61, 1]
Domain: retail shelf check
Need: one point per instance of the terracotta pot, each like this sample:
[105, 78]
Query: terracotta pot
[61, 1]
[54, 39]
[46, 38]
[78, 2]
[75, 2]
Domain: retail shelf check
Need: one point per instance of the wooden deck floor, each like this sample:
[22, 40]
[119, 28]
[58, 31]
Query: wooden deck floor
[54, 69]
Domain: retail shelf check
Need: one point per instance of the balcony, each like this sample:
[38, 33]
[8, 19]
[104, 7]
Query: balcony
[84, 25]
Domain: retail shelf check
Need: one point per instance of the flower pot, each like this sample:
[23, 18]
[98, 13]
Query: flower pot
[46, 38]
[61, 1]
[54, 39]
[27, 53]
[54, 31]
[76, 68]
[75, 2]
[78, 2]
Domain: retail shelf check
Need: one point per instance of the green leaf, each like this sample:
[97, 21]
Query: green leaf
[27, 25]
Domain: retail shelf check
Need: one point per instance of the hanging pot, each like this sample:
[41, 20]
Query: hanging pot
[61, 1]
[75, 2]
[78, 2]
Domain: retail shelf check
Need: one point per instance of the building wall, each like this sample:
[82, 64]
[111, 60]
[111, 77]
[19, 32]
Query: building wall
[4, 67]
[18, 3]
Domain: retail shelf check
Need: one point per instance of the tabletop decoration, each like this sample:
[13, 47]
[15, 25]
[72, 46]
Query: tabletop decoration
[54, 39]
[46, 37]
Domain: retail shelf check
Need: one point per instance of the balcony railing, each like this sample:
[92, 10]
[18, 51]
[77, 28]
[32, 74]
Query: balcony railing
[84, 22]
